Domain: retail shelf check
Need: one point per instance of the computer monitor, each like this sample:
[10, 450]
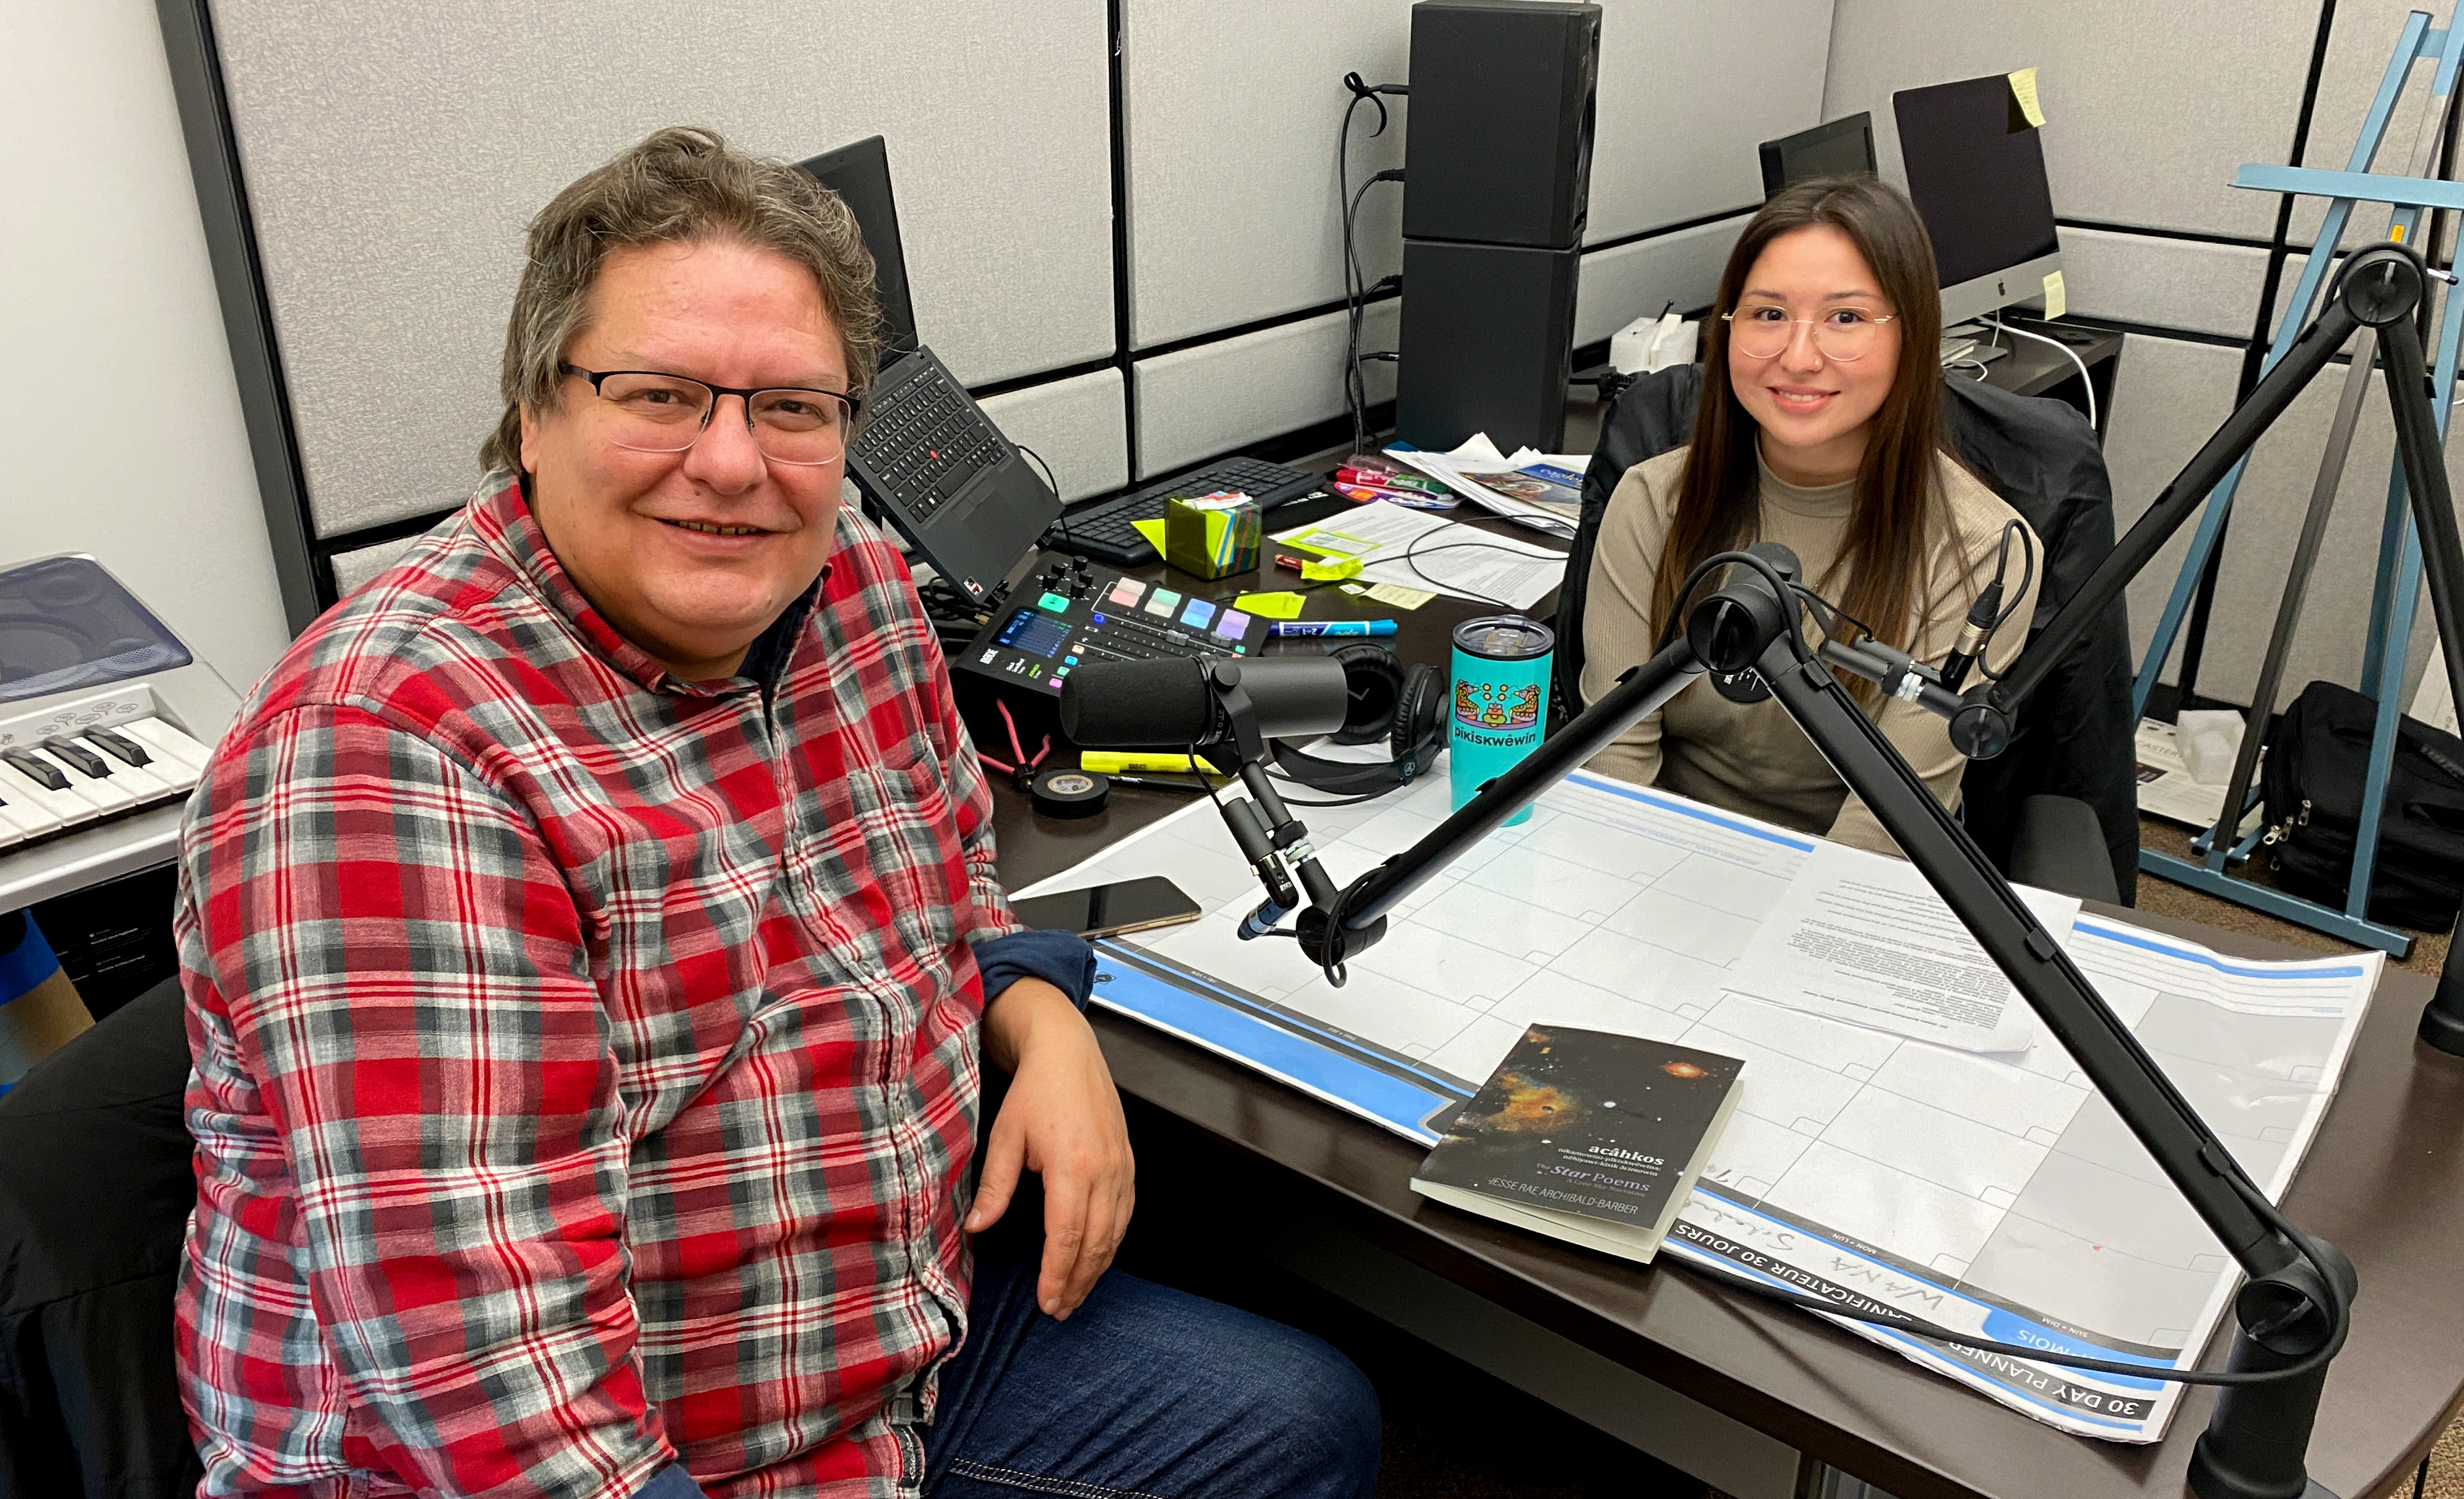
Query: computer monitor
[860, 175]
[1980, 187]
[1827, 150]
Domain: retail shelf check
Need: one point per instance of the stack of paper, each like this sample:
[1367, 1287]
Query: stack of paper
[1538, 488]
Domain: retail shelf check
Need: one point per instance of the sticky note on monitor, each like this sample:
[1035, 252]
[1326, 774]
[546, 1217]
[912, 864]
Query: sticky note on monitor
[2027, 113]
[2056, 299]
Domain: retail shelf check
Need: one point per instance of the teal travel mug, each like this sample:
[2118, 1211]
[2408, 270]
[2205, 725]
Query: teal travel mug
[1500, 699]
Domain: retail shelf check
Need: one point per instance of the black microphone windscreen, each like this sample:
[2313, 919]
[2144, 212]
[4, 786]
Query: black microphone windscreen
[1163, 703]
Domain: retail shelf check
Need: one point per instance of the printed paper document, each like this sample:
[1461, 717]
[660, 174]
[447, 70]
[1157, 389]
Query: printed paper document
[1860, 937]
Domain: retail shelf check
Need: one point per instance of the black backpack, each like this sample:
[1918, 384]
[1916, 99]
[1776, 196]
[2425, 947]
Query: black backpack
[2316, 763]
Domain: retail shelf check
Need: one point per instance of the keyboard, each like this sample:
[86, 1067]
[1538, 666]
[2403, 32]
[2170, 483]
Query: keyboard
[1104, 532]
[924, 441]
[66, 779]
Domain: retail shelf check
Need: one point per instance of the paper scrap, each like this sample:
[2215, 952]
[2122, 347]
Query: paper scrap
[1283, 604]
[1403, 598]
[1862, 937]
[2056, 299]
[2025, 107]
[1153, 531]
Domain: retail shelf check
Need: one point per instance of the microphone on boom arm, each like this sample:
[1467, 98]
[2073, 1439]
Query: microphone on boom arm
[1174, 703]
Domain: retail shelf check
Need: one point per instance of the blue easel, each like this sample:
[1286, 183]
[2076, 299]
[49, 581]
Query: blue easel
[2396, 593]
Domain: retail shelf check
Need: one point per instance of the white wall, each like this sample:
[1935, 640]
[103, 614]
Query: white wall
[116, 339]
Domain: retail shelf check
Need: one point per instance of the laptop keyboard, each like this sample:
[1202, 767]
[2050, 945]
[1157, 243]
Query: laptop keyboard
[924, 441]
[1104, 531]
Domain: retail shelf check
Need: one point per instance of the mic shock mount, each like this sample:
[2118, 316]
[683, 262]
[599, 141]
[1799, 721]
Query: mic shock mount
[2293, 1309]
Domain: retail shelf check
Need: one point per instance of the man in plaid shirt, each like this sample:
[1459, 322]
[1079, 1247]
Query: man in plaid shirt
[589, 931]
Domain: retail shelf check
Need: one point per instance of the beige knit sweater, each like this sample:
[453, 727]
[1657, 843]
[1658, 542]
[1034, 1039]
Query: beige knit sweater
[1753, 759]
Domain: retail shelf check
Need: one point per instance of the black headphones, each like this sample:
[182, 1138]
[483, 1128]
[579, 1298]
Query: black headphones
[1405, 709]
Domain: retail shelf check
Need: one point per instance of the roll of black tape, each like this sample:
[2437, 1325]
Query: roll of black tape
[1070, 793]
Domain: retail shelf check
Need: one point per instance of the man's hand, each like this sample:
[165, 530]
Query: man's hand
[1062, 1122]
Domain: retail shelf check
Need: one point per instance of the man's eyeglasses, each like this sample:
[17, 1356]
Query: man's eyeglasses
[1763, 330]
[652, 412]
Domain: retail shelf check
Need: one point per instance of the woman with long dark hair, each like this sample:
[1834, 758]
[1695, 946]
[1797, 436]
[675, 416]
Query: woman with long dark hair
[1820, 428]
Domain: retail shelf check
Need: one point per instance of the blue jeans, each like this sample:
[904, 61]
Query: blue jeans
[1145, 1393]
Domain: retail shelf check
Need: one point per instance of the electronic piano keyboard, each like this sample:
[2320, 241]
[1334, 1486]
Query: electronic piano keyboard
[106, 721]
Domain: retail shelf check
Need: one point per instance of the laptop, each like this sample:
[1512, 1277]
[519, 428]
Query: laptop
[925, 455]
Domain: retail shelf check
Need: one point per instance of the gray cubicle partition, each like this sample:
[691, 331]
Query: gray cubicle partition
[1120, 216]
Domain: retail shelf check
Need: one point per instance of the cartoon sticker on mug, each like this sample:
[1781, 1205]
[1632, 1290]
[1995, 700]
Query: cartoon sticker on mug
[1497, 705]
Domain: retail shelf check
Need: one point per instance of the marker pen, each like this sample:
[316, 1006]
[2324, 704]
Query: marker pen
[1291, 628]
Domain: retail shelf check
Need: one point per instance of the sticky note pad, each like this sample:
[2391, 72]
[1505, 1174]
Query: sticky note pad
[2027, 113]
[1271, 605]
[1153, 531]
[2056, 299]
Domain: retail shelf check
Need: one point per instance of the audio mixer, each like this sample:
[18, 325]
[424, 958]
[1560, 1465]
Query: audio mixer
[1070, 611]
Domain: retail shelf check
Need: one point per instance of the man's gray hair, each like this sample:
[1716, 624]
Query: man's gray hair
[681, 184]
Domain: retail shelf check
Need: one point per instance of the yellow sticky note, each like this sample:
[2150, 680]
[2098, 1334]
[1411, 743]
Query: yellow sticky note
[2023, 98]
[2057, 301]
[1153, 531]
[1270, 606]
[1334, 571]
[1400, 597]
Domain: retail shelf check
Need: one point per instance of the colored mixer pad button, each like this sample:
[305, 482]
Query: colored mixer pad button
[1164, 602]
[1058, 603]
[1233, 625]
[1126, 592]
[1196, 615]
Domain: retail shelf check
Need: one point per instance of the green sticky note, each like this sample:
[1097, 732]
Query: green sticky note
[1153, 531]
[1271, 605]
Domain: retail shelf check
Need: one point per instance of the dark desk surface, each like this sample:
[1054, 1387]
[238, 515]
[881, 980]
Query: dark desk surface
[2383, 1180]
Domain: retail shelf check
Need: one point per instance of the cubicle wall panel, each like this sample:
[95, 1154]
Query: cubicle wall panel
[1687, 92]
[395, 153]
[1075, 426]
[355, 567]
[1199, 401]
[2150, 107]
[2171, 397]
[2168, 395]
[1637, 280]
[2158, 281]
[1231, 115]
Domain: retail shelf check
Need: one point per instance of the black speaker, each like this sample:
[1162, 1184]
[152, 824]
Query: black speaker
[1487, 343]
[1499, 143]
[1497, 177]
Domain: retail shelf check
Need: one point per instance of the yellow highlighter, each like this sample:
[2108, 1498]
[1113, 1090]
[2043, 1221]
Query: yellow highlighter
[1114, 762]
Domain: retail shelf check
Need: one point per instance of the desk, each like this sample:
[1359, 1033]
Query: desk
[2384, 1180]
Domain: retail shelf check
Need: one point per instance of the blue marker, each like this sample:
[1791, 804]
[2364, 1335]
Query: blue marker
[1285, 629]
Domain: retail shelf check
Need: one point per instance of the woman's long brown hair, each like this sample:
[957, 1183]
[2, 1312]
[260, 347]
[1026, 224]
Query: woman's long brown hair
[1899, 502]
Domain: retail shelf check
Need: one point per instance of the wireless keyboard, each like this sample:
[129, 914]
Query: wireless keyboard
[1104, 532]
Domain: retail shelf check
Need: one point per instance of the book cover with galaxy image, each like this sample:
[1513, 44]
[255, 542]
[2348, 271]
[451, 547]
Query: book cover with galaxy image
[1586, 1135]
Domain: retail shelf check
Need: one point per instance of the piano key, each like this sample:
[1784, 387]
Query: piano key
[10, 834]
[105, 798]
[42, 772]
[145, 785]
[40, 811]
[168, 742]
[128, 751]
[77, 758]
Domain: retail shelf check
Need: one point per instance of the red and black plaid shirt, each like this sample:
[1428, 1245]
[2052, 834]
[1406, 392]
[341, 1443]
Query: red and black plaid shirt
[585, 1058]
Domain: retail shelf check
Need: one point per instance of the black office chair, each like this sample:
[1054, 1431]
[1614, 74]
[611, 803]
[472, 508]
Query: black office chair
[95, 1185]
[2068, 784]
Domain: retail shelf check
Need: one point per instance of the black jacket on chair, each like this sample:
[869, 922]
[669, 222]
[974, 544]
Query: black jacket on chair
[2040, 455]
[95, 1185]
